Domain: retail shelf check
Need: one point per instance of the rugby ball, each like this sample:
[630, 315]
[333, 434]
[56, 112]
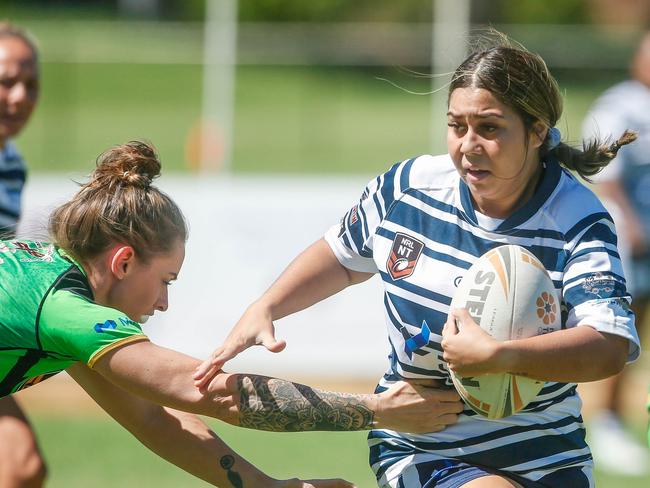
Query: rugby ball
[509, 295]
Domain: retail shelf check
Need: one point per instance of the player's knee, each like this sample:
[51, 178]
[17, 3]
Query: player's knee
[34, 473]
[22, 466]
[30, 473]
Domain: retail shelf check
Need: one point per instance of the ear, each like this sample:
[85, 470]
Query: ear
[538, 134]
[121, 258]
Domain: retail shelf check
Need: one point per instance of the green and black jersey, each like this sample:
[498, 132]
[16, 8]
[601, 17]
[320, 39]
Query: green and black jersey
[48, 319]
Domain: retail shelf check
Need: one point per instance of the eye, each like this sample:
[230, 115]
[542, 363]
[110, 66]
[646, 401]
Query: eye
[455, 126]
[168, 282]
[489, 128]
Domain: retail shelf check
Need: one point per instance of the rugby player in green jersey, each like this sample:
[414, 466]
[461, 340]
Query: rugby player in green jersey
[76, 304]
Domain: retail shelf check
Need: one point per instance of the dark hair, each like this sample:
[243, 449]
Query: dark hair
[119, 205]
[521, 80]
[7, 29]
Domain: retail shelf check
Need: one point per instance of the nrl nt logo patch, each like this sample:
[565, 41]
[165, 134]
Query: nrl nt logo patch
[403, 256]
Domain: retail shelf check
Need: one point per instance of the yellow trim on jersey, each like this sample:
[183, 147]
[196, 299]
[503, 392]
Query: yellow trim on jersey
[134, 338]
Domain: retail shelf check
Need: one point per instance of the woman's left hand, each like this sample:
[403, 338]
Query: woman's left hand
[468, 349]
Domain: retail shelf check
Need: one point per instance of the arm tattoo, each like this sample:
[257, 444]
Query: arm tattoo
[282, 406]
[227, 462]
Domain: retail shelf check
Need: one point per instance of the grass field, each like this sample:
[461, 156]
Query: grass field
[94, 451]
[287, 119]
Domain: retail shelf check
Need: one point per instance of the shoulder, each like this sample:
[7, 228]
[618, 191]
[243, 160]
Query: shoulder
[10, 151]
[10, 157]
[423, 172]
[573, 206]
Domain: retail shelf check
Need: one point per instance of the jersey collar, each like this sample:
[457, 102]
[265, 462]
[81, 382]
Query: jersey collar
[550, 179]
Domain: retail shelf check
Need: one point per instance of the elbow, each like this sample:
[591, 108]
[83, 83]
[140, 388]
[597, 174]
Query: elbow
[616, 354]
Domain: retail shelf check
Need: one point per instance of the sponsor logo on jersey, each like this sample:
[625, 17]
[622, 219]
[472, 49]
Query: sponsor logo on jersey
[111, 324]
[418, 341]
[599, 284]
[404, 255]
[104, 326]
[354, 215]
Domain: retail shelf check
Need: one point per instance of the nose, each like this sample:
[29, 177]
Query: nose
[163, 301]
[470, 142]
[18, 94]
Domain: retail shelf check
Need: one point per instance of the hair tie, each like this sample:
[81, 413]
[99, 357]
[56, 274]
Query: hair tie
[554, 137]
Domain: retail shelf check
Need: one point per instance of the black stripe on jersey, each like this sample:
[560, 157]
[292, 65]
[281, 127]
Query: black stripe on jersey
[72, 280]
[19, 370]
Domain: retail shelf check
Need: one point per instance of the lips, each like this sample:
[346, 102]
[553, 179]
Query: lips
[475, 175]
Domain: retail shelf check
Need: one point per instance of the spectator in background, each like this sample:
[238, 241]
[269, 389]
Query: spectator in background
[18, 96]
[20, 461]
[624, 186]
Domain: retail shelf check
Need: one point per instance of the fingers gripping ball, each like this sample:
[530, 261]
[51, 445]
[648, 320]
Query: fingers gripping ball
[509, 295]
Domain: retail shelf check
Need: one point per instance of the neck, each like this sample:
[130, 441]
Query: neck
[99, 278]
[502, 208]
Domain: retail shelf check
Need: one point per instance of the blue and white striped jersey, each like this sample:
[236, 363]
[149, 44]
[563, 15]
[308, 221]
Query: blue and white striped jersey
[415, 226]
[12, 180]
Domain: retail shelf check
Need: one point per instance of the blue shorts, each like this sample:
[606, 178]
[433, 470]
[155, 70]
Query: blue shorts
[454, 474]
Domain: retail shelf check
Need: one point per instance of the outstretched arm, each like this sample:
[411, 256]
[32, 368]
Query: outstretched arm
[181, 438]
[163, 376]
[312, 276]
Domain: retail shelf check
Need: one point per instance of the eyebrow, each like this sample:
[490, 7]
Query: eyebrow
[174, 275]
[485, 115]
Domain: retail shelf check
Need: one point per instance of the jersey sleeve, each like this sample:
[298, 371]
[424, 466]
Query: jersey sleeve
[74, 326]
[352, 239]
[594, 288]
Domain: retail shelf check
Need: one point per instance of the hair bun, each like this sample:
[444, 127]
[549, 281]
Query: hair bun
[134, 164]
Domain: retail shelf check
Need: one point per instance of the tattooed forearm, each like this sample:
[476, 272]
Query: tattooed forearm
[282, 406]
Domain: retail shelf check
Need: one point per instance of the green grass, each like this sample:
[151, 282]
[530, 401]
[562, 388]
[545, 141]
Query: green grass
[90, 451]
[287, 119]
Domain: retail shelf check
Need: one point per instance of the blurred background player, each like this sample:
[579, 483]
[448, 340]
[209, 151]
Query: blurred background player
[624, 186]
[19, 83]
[20, 461]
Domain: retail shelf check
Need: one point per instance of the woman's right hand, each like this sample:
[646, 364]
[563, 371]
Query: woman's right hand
[255, 327]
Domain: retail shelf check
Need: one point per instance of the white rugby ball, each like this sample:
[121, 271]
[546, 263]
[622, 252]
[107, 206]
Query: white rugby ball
[510, 295]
